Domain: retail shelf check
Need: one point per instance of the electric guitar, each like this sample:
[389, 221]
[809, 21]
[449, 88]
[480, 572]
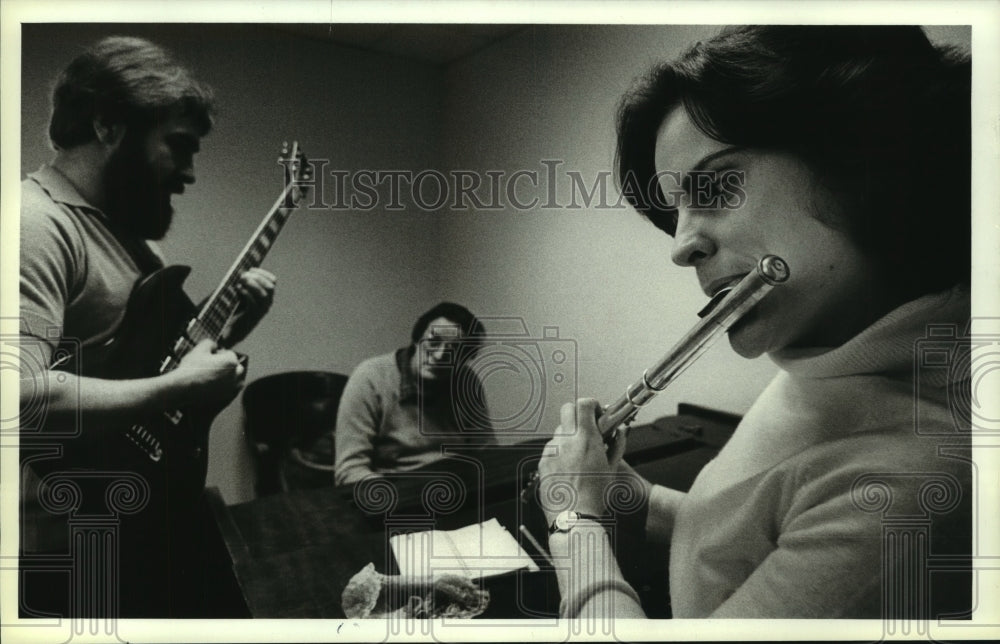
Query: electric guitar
[160, 326]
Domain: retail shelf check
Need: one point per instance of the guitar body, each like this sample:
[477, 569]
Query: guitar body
[157, 312]
[154, 318]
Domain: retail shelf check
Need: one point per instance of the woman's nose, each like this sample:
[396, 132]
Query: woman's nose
[692, 243]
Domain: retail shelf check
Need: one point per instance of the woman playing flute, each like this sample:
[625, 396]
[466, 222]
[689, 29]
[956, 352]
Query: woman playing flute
[852, 148]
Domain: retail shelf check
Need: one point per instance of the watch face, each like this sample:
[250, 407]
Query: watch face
[565, 520]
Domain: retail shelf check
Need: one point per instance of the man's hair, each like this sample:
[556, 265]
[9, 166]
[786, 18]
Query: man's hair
[472, 328]
[879, 114]
[123, 80]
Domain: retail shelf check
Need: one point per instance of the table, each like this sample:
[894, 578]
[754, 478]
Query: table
[293, 553]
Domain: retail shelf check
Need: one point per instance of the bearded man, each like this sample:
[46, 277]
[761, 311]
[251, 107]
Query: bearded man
[126, 123]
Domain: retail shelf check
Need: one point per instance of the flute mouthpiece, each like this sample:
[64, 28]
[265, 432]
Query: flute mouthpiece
[773, 269]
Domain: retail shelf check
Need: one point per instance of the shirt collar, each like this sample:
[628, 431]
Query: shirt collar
[59, 188]
[407, 379]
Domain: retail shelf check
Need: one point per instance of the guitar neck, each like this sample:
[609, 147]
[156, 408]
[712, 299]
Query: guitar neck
[215, 313]
[217, 309]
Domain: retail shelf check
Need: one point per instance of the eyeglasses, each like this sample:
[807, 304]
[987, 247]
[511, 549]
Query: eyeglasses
[446, 337]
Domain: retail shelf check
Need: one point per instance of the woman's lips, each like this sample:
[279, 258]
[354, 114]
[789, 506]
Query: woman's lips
[725, 282]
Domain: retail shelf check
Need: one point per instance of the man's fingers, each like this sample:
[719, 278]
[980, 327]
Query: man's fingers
[252, 289]
[256, 291]
[258, 278]
[229, 355]
[205, 346]
[264, 275]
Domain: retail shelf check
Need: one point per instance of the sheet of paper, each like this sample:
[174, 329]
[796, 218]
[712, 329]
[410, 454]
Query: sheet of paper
[478, 550]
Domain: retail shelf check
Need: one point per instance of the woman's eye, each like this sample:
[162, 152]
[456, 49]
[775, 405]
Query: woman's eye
[705, 189]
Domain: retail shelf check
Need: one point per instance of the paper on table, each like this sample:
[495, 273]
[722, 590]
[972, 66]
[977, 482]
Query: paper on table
[479, 550]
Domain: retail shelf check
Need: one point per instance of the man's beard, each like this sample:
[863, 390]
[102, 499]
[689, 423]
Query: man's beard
[135, 200]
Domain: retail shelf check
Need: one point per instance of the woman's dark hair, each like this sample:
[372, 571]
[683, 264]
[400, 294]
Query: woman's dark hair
[472, 328]
[878, 113]
[123, 80]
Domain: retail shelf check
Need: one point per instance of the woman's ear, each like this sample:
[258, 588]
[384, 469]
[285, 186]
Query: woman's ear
[108, 134]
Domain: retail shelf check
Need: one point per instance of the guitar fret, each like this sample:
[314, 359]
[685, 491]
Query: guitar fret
[270, 232]
[229, 298]
[195, 334]
[212, 329]
[214, 323]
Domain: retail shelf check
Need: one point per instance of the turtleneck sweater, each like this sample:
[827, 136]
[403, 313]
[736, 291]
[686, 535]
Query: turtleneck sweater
[792, 518]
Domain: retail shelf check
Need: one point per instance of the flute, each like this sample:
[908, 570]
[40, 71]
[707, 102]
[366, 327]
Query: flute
[722, 312]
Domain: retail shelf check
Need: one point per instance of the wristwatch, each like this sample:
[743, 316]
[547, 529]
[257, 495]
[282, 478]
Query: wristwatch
[568, 519]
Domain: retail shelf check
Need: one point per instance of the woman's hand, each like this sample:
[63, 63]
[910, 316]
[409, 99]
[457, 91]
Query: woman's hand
[574, 470]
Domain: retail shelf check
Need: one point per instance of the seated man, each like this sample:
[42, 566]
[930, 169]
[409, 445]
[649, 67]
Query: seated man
[399, 408]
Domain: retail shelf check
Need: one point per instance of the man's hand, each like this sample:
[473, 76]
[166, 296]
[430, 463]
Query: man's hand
[209, 376]
[256, 290]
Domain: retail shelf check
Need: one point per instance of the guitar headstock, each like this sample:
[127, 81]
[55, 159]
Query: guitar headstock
[298, 173]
